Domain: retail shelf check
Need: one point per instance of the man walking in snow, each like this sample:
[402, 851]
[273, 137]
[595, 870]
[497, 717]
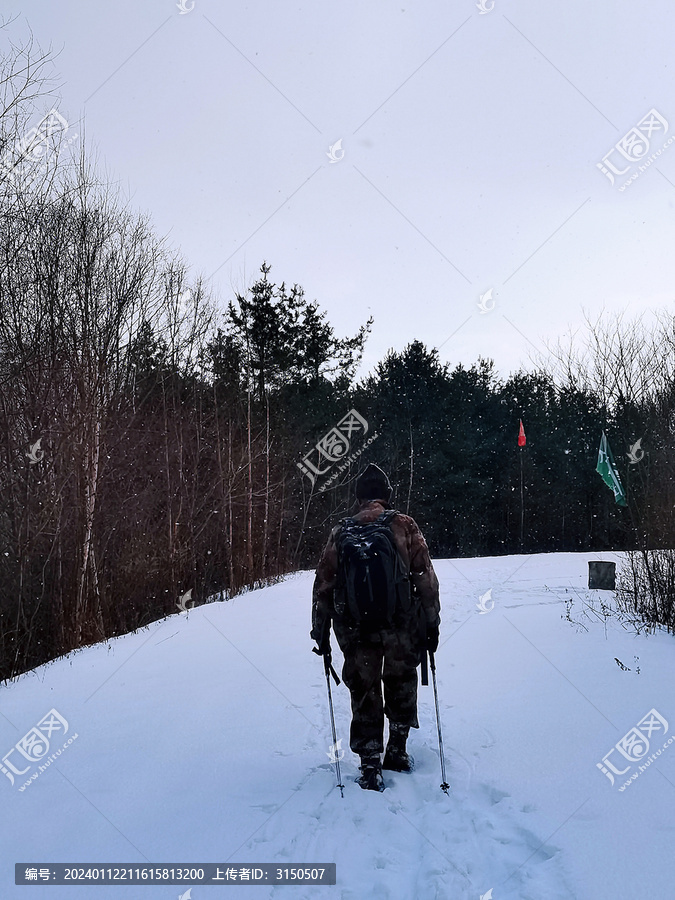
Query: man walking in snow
[376, 583]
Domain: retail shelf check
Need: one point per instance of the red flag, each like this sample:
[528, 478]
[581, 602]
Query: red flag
[521, 435]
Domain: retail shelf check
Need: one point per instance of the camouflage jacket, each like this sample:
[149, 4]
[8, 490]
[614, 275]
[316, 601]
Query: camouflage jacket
[414, 552]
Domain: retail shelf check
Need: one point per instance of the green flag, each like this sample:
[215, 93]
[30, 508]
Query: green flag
[607, 468]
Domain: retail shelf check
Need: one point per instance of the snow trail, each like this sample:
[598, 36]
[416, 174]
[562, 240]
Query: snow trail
[206, 737]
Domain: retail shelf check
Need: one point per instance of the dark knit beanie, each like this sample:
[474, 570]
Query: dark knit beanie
[373, 484]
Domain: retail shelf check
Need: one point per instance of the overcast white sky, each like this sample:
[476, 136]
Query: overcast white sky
[470, 141]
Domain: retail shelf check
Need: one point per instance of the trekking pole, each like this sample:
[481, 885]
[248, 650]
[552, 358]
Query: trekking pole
[328, 668]
[444, 786]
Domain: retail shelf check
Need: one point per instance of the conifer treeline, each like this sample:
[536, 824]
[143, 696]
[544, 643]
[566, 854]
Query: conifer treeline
[169, 443]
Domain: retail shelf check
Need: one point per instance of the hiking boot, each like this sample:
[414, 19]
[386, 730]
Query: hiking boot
[396, 759]
[370, 778]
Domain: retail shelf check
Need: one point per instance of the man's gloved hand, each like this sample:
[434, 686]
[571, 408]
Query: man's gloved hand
[323, 650]
[432, 638]
[323, 643]
[321, 634]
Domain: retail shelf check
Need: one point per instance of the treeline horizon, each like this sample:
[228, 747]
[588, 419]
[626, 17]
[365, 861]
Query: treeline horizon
[152, 446]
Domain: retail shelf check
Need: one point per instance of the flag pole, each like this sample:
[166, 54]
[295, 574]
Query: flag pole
[521, 443]
[522, 499]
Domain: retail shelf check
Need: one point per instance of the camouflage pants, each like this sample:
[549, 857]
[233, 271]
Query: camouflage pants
[386, 659]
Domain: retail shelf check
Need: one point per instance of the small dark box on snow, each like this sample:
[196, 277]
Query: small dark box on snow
[602, 576]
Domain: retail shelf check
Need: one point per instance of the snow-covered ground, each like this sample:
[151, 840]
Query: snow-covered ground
[206, 738]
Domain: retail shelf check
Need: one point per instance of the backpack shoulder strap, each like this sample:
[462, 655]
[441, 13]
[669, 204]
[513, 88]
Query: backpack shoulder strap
[347, 522]
[403, 571]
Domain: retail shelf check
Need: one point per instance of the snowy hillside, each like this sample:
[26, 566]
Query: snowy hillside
[205, 738]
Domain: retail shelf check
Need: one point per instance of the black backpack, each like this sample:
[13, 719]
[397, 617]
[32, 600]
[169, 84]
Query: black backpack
[373, 583]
